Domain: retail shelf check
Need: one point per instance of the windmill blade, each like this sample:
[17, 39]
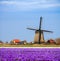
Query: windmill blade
[40, 29]
[40, 22]
[32, 29]
[47, 31]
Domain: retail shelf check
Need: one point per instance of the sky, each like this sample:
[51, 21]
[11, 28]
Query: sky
[17, 15]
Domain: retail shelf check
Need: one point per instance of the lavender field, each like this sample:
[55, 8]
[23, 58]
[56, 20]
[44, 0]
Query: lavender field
[29, 54]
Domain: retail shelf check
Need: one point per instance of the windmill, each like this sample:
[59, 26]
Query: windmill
[39, 36]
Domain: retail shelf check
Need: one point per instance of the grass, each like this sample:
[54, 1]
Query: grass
[33, 45]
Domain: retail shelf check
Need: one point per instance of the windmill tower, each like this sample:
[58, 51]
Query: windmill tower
[39, 36]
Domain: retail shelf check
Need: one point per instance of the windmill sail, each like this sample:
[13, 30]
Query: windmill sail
[32, 29]
[47, 31]
[40, 29]
[40, 23]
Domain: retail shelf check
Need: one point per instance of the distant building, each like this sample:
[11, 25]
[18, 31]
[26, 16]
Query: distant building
[58, 41]
[51, 41]
[15, 41]
[23, 42]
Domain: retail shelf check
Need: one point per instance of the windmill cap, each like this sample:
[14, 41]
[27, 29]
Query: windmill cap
[41, 17]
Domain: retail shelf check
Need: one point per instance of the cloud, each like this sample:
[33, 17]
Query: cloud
[30, 5]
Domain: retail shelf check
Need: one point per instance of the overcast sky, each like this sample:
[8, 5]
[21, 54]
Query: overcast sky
[17, 15]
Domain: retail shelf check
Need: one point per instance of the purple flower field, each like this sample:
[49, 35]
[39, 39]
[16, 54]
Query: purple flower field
[29, 54]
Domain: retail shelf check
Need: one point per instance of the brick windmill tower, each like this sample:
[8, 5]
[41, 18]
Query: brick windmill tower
[39, 36]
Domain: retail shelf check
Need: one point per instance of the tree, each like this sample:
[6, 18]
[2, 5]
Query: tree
[6, 42]
[1, 42]
[11, 42]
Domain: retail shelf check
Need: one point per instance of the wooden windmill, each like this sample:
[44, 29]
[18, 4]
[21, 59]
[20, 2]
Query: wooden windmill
[39, 36]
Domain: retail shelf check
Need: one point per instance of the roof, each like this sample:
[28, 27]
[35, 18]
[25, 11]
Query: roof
[16, 40]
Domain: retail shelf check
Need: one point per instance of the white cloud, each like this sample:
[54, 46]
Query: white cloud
[28, 5]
